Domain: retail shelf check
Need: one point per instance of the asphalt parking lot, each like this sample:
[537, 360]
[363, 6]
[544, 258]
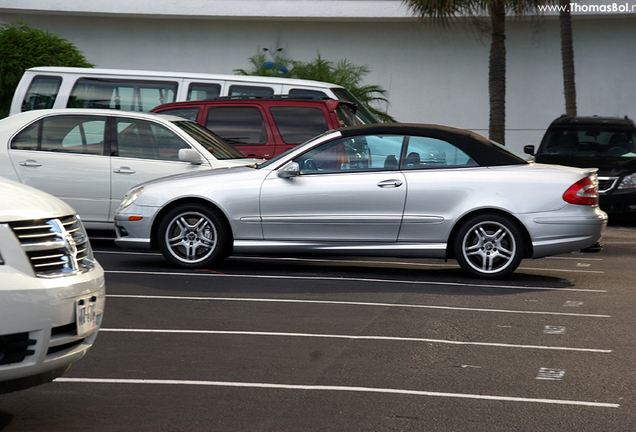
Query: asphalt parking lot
[352, 344]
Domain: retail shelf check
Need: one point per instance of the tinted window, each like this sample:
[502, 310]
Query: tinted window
[41, 93]
[143, 139]
[128, 95]
[359, 153]
[238, 125]
[591, 141]
[186, 113]
[28, 139]
[424, 152]
[65, 134]
[198, 91]
[244, 90]
[298, 124]
[313, 93]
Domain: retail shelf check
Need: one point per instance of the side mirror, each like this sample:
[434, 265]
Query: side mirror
[190, 155]
[529, 149]
[290, 170]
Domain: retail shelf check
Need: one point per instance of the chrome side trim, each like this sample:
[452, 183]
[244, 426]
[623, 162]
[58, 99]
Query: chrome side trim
[334, 219]
[353, 248]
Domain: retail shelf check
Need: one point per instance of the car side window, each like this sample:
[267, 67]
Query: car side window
[298, 124]
[42, 92]
[203, 91]
[128, 95]
[247, 90]
[64, 134]
[353, 154]
[310, 93]
[237, 125]
[426, 153]
[143, 139]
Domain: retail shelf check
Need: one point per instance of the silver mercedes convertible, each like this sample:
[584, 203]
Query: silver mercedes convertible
[383, 189]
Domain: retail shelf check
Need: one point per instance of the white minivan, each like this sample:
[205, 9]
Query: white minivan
[135, 90]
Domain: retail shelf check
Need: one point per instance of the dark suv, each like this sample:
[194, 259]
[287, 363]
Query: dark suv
[265, 127]
[606, 143]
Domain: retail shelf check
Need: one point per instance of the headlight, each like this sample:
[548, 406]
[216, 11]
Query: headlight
[628, 182]
[130, 197]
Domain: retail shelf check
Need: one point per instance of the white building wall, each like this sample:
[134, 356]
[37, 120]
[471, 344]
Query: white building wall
[433, 74]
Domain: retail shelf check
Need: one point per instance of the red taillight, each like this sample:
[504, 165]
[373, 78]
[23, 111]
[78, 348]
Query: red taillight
[583, 192]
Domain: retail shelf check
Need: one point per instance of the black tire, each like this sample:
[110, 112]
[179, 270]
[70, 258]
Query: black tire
[489, 246]
[193, 236]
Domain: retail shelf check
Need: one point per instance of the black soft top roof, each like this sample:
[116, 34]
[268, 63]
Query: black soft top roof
[483, 151]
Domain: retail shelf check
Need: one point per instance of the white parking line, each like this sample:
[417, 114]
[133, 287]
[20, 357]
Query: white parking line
[208, 273]
[333, 302]
[335, 389]
[404, 263]
[355, 337]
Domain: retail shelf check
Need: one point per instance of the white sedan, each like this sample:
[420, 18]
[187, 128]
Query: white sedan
[89, 158]
[52, 290]
[385, 189]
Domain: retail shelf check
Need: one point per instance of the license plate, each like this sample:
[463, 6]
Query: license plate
[86, 315]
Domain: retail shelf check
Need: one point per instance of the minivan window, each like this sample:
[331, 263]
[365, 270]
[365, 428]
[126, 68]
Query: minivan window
[201, 91]
[41, 93]
[245, 90]
[128, 95]
[298, 124]
[303, 92]
[237, 125]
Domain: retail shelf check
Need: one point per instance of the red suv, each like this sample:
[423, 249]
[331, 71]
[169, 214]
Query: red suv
[265, 128]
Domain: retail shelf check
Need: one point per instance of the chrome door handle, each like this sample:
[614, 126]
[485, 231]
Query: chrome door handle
[124, 170]
[390, 183]
[29, 163]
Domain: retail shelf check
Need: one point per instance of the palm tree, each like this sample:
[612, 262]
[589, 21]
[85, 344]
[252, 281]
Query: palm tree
[343, 73]
[567, 58]
[445, 10]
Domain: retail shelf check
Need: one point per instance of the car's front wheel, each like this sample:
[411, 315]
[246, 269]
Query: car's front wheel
[489, 246]
[193, 235]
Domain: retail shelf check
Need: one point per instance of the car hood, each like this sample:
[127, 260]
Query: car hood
[606, 165]
[20, 202]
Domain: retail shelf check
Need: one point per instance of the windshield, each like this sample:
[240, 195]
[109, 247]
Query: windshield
[212, 143]
[364, 115]
[590, 141]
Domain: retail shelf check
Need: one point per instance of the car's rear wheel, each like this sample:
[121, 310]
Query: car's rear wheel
[489, 246]
[193, 235]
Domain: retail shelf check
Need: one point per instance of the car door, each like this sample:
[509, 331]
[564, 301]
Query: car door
[65, 156]
[348, 189]
[441, 179]
[144, 150]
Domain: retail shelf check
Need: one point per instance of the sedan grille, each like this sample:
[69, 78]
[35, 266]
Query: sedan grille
[606, 184]
[56, 247]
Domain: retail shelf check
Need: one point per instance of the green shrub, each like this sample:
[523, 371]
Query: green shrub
[22, 47]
